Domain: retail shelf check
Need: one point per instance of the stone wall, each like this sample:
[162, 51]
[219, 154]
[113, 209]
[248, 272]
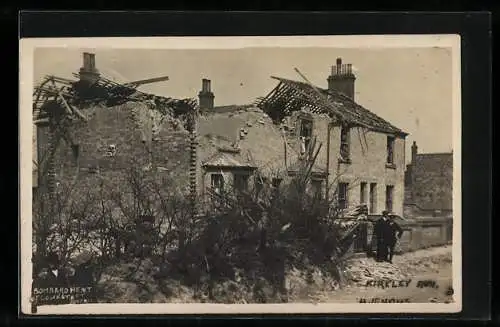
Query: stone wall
[419, 233]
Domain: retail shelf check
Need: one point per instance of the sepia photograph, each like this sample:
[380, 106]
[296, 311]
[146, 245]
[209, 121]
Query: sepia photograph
[311, 174]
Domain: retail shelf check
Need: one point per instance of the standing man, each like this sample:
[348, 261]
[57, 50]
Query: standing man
[382, 231]
[395, 234]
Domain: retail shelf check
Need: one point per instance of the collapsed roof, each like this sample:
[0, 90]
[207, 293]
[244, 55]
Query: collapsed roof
[61, 98]
[290, 95]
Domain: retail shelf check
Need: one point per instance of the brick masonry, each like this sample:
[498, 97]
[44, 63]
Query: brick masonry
[135, 145]
[429, 185]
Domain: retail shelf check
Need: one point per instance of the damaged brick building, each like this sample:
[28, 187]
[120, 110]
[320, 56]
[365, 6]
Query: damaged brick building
[111, 126]
[359, 155]
[92, 130]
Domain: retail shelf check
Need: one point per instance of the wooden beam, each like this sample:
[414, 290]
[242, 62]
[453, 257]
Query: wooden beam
[66, 105]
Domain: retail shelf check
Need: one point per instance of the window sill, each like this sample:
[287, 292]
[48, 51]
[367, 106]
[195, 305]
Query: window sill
[390, 166]
[345, 161]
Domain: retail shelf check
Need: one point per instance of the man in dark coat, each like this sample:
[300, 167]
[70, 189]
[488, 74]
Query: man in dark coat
[396, 233]
[382, 231]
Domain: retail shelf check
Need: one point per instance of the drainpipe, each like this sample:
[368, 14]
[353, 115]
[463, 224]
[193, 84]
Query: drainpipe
[328, 161]
[51, 174]
[193, 166]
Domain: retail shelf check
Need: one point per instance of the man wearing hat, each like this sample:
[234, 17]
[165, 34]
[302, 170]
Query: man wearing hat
[395, 233]
[382, 231]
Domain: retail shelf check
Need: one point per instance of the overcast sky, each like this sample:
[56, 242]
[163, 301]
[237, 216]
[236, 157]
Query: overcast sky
[409, 87]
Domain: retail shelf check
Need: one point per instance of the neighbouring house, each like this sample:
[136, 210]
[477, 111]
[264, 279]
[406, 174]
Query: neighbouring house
[90, 131]
[429, 184]
[239, 145]
[360, 156]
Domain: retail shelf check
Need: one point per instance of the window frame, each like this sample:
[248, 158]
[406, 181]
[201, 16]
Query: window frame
[213, 183]
[343, 197]
[307, 139]
[372, 198]
[345, 143]
[75, 152]
[317, 187]
[362, 192]
[238, 176]
[389, 198]
[391, 141]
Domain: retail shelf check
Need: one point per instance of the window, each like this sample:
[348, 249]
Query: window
[276, 182]
[390, 150]
[344, 143]
[373, 197]
[75, 149]
[317, 188]
[342, 195]
[362, 193]
[306, 132]
[217, 182]
[240, 182]
[389, 193]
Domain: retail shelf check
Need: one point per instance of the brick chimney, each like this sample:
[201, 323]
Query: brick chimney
[206, 97]
[342, 78]
[88, 72]
[414, 152]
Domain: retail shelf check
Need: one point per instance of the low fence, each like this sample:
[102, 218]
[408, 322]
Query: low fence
[419, 233]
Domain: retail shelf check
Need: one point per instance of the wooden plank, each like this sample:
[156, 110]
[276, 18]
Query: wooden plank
[66, 105]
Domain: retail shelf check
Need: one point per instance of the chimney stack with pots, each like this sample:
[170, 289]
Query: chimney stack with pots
[89, 72]
[342, 79]
[206, 97]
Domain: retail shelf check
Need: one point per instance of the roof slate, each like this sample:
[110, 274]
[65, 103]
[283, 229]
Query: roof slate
[290, 95]
[262, 144]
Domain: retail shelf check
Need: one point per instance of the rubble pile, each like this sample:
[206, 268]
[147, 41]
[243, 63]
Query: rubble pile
[361, 270]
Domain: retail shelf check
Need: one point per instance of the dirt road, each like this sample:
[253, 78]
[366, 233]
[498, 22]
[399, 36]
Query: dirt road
[419, 277]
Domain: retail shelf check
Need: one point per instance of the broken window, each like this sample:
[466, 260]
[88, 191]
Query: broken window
[306, 127]
[217, 183]
[345, 143]
[389, 193]
[362, 193]
[343, 189]
[390, 149]
[240, 182]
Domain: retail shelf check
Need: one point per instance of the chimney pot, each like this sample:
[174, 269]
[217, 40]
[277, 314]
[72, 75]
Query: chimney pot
[88, 71]
[342, 78]
[414, 151]
[206, 97]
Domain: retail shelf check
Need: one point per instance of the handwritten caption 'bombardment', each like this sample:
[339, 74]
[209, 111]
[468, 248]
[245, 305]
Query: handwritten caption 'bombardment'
[73, 294]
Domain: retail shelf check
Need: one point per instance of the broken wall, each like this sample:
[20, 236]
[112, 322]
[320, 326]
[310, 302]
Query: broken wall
[115, 139]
